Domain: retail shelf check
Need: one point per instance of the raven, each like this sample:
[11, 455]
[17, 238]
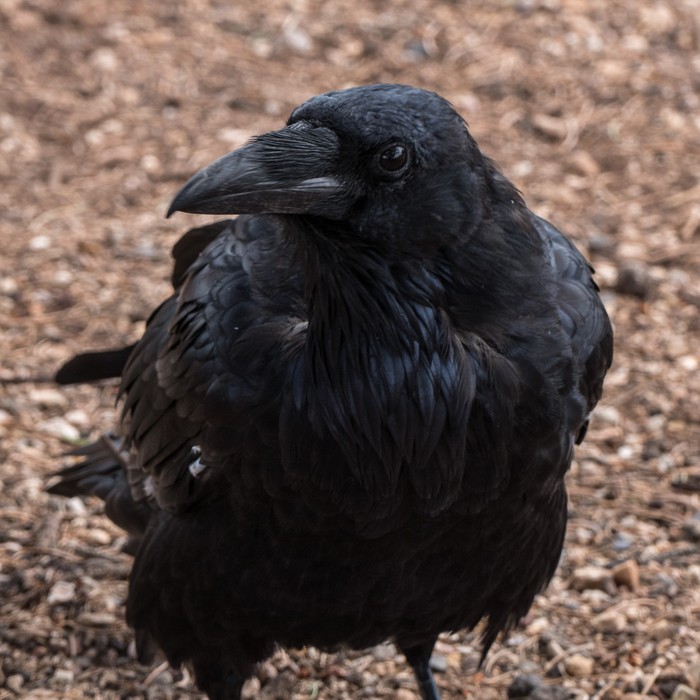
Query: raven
[352, 420]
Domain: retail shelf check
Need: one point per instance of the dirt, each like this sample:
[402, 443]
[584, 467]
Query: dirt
[591, 107]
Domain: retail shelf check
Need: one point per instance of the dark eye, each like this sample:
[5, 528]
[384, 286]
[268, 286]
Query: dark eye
[393, 158]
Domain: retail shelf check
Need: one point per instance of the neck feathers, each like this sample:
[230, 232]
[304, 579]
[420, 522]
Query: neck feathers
[387, 381]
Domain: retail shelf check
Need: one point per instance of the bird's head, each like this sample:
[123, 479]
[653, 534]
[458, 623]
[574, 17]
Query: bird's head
[378, 160]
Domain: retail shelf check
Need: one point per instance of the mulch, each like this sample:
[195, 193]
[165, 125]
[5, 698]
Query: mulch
[590, 107]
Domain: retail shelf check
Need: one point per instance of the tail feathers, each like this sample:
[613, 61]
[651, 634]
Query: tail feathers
[93, 366]
[102, 473]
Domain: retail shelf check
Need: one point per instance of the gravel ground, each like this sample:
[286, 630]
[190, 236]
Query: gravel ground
[592, 107]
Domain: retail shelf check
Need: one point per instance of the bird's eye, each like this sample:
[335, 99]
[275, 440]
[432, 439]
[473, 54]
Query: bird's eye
[393, 158]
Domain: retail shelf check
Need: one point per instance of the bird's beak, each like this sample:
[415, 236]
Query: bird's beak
[289, 171]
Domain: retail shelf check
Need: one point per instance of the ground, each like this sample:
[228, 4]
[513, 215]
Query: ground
[591, 106]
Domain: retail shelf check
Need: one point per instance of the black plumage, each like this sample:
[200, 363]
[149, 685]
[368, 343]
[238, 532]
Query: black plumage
[352, 420]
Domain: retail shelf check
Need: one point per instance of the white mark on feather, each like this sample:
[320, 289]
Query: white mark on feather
[196, 467]
[149, 487]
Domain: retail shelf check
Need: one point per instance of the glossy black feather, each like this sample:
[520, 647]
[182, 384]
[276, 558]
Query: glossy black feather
[353, 419]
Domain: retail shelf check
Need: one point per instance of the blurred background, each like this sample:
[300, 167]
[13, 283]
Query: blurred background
[592, 107]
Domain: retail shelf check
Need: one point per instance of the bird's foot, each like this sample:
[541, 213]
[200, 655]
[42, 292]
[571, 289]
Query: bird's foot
[418, 657]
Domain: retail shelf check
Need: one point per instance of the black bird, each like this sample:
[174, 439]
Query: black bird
[353, 419]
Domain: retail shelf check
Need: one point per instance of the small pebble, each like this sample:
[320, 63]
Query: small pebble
[40, 243]
[627, 574]
[48, 397]
[610, 622]
[97, 536]
[438, 663]
[593, 578]
[405, 694]
[61, 592]
[60, 428]
[537, 626]
[578, 665]
[78, 418]
[76, 506]
[63, 676]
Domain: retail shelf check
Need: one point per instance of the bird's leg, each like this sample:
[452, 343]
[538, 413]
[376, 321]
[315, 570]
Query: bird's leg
[218, 682]
[418, 657]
